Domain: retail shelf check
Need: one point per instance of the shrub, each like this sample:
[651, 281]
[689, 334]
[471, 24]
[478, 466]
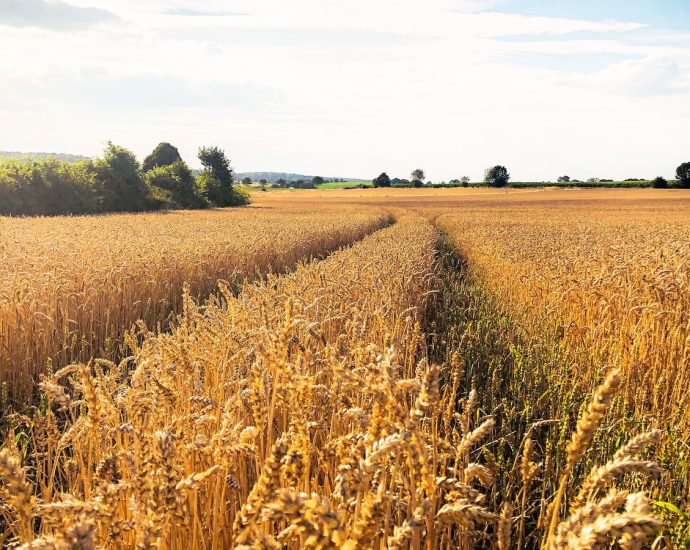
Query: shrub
[179, 184]
[659, 183]
[48, 187]
[382, 180]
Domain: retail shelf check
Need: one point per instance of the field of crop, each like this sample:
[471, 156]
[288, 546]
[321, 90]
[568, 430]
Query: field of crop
[553, 296]
[493, 369]
[344, 184]
[70, 288]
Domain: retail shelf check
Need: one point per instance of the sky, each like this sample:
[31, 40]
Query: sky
[351, 88]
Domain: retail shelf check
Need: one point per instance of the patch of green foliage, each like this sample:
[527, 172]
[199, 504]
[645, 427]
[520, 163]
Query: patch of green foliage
[116, 183]
[344, 184]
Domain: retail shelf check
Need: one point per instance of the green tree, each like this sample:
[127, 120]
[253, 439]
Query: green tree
[217, 163]
[683, 174]
[564, 179]
[216, 180]
[121, 184]
[246, 181]
[163, 155]
[417, 177]
[382, 180]
[659, 183]
[497, 176]
[317, 180]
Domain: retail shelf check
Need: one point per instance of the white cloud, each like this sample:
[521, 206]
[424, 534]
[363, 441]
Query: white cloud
[51, 14]
[353, 88]
[192, 12]
[651, 76]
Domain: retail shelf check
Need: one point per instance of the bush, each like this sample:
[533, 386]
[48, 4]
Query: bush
[178, 185]
[659, 183]
[123, 188]
[48, 188]
[239, 197]
[302, 184]
[382, 180]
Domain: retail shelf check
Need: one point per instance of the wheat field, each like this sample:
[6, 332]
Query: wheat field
[493, 370]
[71, 288]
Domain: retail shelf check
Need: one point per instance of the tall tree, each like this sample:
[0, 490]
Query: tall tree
[163, 155]
[215, 161]
[216, 180]
[418, 174]
[497, 176]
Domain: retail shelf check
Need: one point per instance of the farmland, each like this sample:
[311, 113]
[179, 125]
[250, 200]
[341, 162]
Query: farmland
[344, 184]
[70, 288]
[374, 368]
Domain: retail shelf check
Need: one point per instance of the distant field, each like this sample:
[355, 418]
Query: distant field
[516, 184]
[629, 184]
[586, 184]
[344, 184]
[637, 184]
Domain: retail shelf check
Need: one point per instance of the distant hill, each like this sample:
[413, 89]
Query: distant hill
[272, 177]
[16, 155]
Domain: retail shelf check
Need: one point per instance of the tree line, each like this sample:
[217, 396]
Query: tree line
[117, 182]
[498, 176]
